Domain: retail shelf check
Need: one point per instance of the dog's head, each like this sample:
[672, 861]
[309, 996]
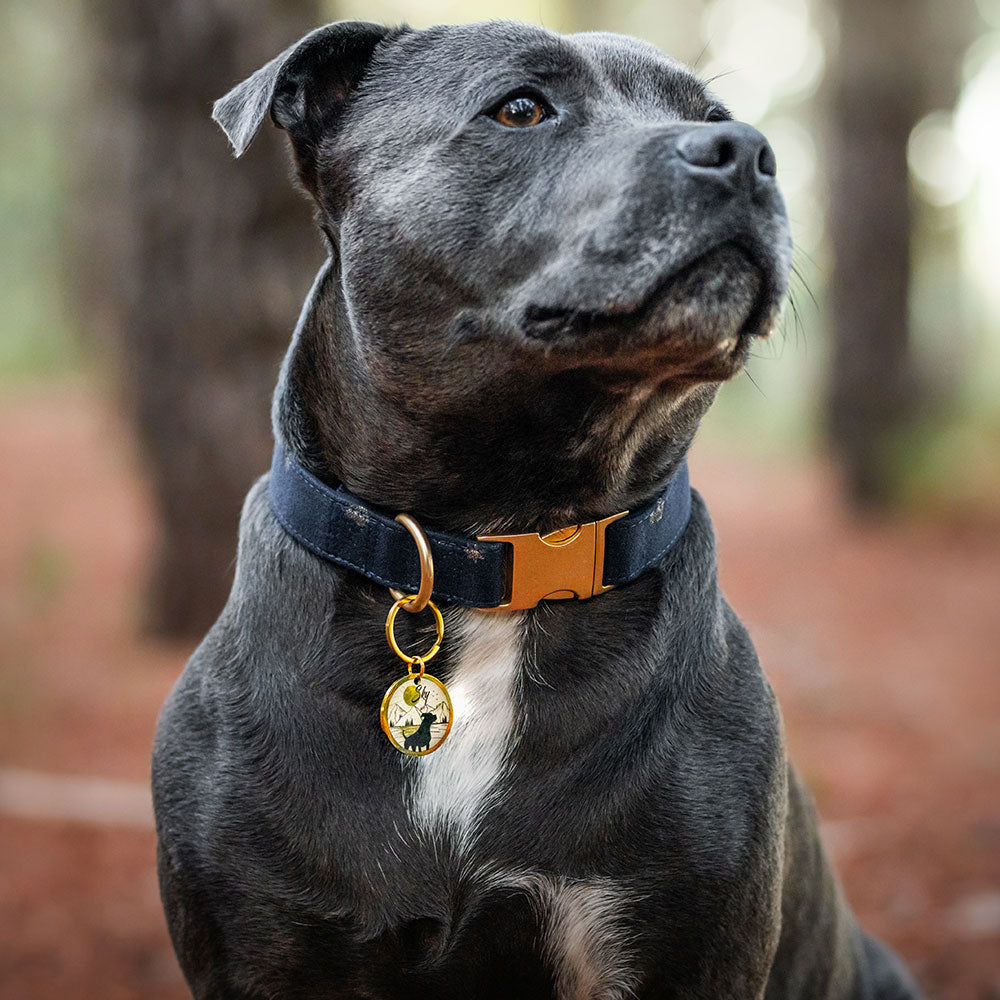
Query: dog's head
[547, 251]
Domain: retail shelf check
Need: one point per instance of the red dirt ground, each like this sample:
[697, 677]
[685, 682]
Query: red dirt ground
[882, 641]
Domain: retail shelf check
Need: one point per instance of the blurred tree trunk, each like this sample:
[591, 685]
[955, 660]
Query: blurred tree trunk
[191, 267]
[897, 60]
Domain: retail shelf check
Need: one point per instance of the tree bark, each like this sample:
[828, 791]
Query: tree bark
[896, 61]
[192, 268]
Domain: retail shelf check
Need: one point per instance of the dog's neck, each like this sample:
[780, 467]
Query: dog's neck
[532, 451]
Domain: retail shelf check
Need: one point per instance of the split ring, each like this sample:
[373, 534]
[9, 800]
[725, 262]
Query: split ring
[390, 625]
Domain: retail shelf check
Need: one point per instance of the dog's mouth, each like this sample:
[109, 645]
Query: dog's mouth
[698, 320]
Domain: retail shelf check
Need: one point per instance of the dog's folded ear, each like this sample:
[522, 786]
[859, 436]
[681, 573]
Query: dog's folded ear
[303, 88]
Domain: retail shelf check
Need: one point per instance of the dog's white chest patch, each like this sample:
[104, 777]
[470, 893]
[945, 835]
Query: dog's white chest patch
[586, 941]
[584, 935]
[452, 785]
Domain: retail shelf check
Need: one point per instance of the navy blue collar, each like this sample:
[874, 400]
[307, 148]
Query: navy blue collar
[472, 572]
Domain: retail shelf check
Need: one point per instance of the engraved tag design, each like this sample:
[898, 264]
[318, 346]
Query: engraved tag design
[416, 714]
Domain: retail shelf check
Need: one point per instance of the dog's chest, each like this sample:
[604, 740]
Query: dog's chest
[470, 781]
[451, 789]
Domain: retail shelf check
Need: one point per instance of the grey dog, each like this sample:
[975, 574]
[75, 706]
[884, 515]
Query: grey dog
[546, 253]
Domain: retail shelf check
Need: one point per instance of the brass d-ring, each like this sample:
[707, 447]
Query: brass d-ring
[421, 599]
[390, 633]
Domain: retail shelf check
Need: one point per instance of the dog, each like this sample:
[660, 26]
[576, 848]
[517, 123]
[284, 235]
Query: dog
[546, 253]
[421, 739]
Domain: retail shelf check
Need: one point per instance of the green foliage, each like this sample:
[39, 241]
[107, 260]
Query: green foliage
[947, 464]
[45, 572]
[37, 337]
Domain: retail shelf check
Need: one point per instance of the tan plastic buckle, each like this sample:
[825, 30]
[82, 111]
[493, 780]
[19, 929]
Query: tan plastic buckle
[565, 563]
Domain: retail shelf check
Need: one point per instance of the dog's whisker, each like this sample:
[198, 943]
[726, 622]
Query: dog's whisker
[753, 381]
[719, 76]
[700, 56]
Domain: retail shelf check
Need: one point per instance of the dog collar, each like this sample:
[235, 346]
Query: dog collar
[500, 572]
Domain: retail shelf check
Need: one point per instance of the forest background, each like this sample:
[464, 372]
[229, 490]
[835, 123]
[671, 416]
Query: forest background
[149, 284]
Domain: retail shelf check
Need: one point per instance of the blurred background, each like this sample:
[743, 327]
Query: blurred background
[149, 284]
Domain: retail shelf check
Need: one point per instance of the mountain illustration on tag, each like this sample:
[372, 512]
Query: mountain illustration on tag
[416, 714]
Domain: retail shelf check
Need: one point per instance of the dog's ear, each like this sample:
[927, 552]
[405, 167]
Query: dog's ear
[303, 88]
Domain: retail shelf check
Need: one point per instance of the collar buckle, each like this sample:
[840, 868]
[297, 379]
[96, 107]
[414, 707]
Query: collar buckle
[565, 563]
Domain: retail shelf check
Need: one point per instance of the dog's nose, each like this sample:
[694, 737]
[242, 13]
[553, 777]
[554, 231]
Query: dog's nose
[731, 150]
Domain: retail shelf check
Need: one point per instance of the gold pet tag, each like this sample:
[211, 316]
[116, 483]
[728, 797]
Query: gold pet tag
[416, 711]
[416, 714]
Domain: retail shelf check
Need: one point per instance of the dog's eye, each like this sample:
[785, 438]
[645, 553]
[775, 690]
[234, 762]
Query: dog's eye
[521, 111]
[717, 113]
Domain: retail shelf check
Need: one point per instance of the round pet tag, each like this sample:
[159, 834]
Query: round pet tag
[416, 714]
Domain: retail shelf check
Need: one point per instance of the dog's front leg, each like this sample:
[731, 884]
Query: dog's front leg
[822, 953]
